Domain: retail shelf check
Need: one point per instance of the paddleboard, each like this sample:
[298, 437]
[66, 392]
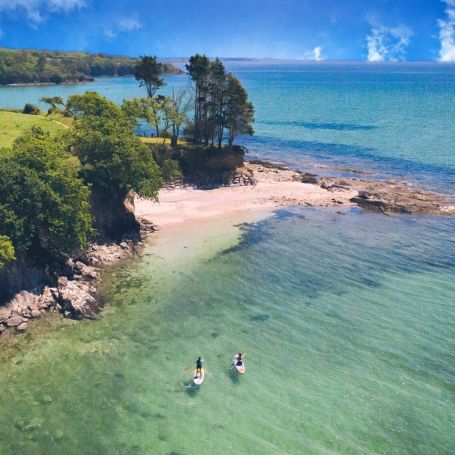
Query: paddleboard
[198, 380]
[240, 368]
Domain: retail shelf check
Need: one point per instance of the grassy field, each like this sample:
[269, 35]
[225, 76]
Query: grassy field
[13, 124]
[160, 140]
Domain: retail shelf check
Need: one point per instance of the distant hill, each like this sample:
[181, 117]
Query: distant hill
[30, 66]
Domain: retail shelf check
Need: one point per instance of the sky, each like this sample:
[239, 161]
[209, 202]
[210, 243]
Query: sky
[368, 30]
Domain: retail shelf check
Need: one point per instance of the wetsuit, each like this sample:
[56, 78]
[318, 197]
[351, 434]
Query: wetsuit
[198, 366]
[239, 361]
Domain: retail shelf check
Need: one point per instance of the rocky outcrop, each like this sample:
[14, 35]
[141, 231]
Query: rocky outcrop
[391, 196]
[74, 296]
[113, 217]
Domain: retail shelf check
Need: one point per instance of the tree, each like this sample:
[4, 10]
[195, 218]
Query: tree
[149, 71]
[198, 68]
[113, 158]
[239, 112]
[137, 109]
[44, 205]
[6, 251]
[53, 101]
[217, 89]
[220, 103]
[90, 104]
[180, 105]
[114, 162]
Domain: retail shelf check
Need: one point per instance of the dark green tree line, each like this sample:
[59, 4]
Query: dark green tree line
[220, 104]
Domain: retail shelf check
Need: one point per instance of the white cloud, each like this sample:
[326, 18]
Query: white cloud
[315, 54]
[388, 43]
[128, 24]
[36, 11]
[447, 33]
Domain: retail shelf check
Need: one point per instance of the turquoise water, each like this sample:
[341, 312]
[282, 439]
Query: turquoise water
[397, 120]
[347, 321]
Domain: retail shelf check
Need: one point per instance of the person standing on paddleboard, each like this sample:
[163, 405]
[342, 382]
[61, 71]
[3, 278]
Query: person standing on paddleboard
[239, 359]
[198, 366]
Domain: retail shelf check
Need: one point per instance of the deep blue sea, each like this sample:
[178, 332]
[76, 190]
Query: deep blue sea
[396, 119]
[347, 318]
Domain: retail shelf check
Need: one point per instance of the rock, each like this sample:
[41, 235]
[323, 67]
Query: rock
[62, 281]
[124, 245]
[5, 313]
[22, 327]
[86, 271]
[36, 313]
[76, 299]
[14, 321]
[2, 328]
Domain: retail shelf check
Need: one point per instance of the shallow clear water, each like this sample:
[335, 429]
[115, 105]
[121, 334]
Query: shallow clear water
[347, 321]
[397, 119]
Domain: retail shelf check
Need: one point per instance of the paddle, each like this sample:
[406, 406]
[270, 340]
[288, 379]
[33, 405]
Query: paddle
[187, 368]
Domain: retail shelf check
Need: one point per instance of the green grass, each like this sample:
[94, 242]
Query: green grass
[13, 124]
[60, 118]
[160, 140]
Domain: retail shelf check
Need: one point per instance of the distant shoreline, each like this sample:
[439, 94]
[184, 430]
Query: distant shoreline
[44, 84]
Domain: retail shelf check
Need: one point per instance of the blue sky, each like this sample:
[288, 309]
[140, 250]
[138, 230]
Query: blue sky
[377, 30]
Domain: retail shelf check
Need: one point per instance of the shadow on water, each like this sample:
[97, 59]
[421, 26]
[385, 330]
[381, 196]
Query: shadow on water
[233, 375]
[191, 388]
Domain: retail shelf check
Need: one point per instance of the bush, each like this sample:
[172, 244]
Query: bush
[44, 205]
[6, 250]
[31, 109]
[170, 169]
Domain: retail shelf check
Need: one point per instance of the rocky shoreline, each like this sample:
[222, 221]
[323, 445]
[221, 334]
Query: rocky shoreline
[75, 296]
[383, 196]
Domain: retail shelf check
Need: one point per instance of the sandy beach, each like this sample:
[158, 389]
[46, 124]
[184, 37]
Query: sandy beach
[275, 188]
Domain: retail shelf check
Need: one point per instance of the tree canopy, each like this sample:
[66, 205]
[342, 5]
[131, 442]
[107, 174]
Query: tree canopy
[148, 71]
[112, 157]
[221, 103]
[29, 66]
[6, 251]
[44, 205]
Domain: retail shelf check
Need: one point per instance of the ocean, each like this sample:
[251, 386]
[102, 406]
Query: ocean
[347, 318]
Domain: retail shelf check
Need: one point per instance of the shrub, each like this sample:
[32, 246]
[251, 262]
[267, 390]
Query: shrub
[31, 109]
[44, 205]
[170, 169]
[6, 250]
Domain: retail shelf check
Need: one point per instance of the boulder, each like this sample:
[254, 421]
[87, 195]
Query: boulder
[86, 271]
[75, 298]
[22, 327]
[2, 328]
[14, 321]
[5, 313]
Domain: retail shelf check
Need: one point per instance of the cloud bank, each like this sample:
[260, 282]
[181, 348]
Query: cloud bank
[388, 43]
[447, 33]
[36, 11]
[315, 54]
